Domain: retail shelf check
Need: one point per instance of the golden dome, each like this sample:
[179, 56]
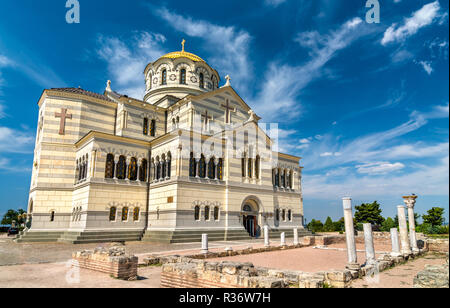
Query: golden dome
[183, 54]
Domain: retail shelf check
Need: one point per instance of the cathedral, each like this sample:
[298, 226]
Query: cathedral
[188, 158]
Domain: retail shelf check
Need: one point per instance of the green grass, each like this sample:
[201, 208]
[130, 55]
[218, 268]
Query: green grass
[437, 235]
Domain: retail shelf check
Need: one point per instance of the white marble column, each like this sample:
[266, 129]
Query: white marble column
[295, 236]
[283, 239]
[410, 202]
[266, 236]
[404, 239]
[350, 234]
[395, 243]
[205, 243]
[116, 162]
[368, 241]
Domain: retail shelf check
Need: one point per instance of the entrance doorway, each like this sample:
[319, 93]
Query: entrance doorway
[250, 221]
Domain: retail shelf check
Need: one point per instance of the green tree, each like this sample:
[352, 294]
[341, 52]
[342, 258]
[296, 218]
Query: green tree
[328, 226]
[369, 213]
[12, 215]
[388, 224]
[435, 217]
[315, 226]
[339, 225]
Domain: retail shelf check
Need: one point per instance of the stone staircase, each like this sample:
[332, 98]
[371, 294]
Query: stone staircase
[79, 237]
[173, 237]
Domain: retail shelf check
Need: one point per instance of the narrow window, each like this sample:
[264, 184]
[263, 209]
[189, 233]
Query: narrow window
[183, 76]
[291, 179]
[132, 170]
[112, 213]
[192, 166]
[143, 171]
[283, 215]
[164, 168]
[257, 167]
[153, 128]
[250, 167]
[277, 178]
[212, 169]
[202, 167]
[243, 167]
[202, 81]
[145, 130]
[169, 165]
[121, 168]
[136, 214]
[125, 214]
[197, 213]
[164, 77]
[216, 213]
[220, 169]
[290, 215]
[158, 170]
[277, 214]
[207, 210]
[52, 216]
[109, 168]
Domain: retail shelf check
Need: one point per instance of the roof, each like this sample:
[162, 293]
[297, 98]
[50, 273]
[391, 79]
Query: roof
[82, 92]
[183, 54]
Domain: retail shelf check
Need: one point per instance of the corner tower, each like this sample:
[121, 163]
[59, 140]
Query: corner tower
[178, 74]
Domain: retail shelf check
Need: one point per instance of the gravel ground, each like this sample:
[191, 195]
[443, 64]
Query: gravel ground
[58, 275]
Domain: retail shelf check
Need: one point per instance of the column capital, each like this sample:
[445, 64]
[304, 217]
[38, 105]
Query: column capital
[410, 201]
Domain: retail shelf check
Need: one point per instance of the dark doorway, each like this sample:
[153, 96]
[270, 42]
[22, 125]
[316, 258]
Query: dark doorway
[250, 224]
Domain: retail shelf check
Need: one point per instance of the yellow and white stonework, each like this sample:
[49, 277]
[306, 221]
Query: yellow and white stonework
[190, 158]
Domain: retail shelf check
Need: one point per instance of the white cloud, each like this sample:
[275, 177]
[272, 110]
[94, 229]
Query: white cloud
[281, 89]
[274, 3]
[379, 168]
[126, 64]
[13, 141]
[228, 46]
[419, 19]
[426, 65]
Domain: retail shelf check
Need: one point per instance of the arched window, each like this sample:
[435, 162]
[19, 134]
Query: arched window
[145, 129]
[109, 168]
[183, 76]
[121, 168]
[257, 167]
[202, 167]
[212, 169]
[164, 77]
[216, 213]
[158, 170]
[202, 81]
[207, 212]
[136, 214]
[197, 213]
[213, 81]
[169, 165]
[243, 166]
[112, 213]
[283, 215]
[290, 215]
[283, 178]
[125, 214]
[250, 168]
[132, 169]
[291, 180]
[143, 171]
[192, 166]
[277, 178]
[153, 128]
[277, 214]
[220, 169]
[52, 216]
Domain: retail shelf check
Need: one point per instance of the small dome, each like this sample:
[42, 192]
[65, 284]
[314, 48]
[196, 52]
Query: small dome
[183, 54]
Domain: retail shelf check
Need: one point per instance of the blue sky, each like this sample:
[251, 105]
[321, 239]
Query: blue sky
[365, 105]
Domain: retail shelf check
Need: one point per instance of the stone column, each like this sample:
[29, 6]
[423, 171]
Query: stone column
[116, 162]
[283, 239]
[410, 202]
[205, 243]
[138, 166]
[368, 241]
[295, 236]
[395, 243]
[266, 236]
[350, 235]
[406, 248]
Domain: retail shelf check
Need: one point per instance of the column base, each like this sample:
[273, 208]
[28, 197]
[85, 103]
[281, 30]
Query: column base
[353, 266]
[395, 254]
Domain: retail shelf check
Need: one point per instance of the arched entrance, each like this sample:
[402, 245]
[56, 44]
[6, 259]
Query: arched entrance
[250, 215]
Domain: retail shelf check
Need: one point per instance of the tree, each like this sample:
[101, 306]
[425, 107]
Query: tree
[435, 217]
[12, 215]
[369, 213]
[315, 226]
[328, 226]
[339, 225]
[388, 224]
